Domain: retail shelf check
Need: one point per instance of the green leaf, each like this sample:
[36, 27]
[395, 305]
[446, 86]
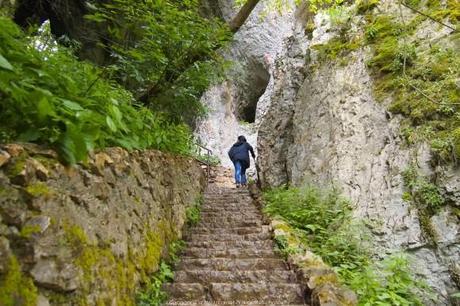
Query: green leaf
[5, 64]
[30, 135]
[44, 108]
[72, 105]
[111, 124]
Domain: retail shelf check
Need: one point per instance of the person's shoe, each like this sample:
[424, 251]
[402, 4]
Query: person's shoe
[238, 185]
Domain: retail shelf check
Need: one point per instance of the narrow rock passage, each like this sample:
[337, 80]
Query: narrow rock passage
[230, 258]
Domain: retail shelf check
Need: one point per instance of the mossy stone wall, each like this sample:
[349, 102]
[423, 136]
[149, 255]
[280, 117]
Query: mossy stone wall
[89, 234]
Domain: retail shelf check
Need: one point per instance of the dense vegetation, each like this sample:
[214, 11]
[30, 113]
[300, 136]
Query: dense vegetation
[163, 55]
[323, 222]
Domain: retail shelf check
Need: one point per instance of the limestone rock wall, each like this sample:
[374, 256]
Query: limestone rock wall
[332, 131]
[88, 234]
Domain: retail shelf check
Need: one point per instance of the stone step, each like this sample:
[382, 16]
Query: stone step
[230, 252]
[188, 292]
[230, 230]
[219, 212]
[227, 264]
[228, 195]
[266, 292]
[232, 216]
[275, 293]
[229, 221]
[229, 200]
[223, 245]
[228, 207]
[251, 276]
[230, 237]
[246, 303]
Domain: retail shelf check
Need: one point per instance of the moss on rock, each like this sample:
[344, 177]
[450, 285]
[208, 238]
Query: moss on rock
[16, 288]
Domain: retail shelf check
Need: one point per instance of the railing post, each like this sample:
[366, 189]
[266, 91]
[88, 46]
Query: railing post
[206, 162]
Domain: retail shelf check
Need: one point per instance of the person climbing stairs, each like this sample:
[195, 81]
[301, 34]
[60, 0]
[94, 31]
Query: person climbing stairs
[230, 258]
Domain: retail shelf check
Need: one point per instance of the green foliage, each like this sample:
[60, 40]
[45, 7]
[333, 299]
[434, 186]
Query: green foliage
[363, 6]
[388, 282]
[323, 218]
[426, 197]
[193, 213]
[336, 48]
[324, 224]
[341, 45]
[426, 194]
[210, 159]
[153, 293]
[163, 48]
[50, 97]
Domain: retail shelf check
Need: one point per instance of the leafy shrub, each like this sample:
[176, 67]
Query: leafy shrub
[323, 222]
[388, 282]
[323, 218]
[163, 51]
[50, 97]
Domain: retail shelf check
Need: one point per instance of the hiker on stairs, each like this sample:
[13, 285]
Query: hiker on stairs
[239, 155]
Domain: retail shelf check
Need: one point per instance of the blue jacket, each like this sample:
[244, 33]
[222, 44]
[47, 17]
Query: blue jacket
[240, 152]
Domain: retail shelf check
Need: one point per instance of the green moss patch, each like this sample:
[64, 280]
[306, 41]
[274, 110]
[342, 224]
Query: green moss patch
[17, 288]
[38, 189]
[118, 277]
[421, 82]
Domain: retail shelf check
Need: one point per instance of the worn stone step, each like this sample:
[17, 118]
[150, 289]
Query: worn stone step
[225, 221]
[230, 230]
[232, 216]
[250, 276]
[230, 237]
[185, 291]
[246, 200]
[226, 264]
[246, 303]
[274, 293]
[222, 245]
[229, 252]
[228, 195]
[228, 207]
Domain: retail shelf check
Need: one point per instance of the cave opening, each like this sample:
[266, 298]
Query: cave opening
[256, 84]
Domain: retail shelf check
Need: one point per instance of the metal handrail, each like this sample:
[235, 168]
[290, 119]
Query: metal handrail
[206, 162]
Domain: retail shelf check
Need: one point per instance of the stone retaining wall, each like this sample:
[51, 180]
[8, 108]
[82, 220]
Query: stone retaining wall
[88, 234]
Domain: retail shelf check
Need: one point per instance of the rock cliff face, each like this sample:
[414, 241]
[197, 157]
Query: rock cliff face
[91, 233]
[319, 122]
[237, 105]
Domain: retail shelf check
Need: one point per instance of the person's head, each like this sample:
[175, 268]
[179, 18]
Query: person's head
[241, 138]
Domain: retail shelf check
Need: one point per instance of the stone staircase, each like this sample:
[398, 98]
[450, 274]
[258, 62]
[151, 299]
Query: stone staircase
[230, 258]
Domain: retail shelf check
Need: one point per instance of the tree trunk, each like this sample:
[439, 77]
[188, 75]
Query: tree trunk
[242, 15]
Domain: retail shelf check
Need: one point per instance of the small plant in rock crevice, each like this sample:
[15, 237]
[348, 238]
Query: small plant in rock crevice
[153, 293]
[193, 212]
[426, 197]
